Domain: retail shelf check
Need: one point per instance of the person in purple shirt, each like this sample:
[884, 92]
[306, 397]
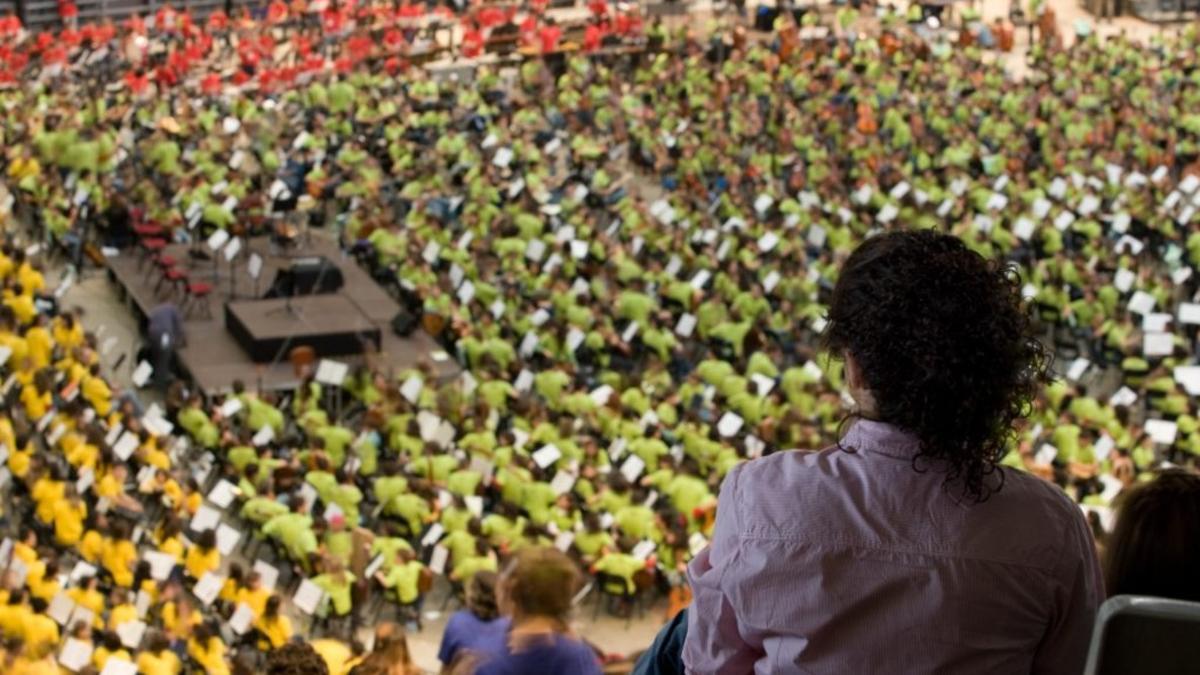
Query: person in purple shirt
[905, 548]
[536, 591]
[478, 630]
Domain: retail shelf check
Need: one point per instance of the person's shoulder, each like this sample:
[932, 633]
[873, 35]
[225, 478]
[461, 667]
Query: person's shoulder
[1026, 492]
[781, 467]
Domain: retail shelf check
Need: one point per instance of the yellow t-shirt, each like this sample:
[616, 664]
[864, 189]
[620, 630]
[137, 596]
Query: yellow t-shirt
[41, 346]
[121, 614]
[92, 546]
[118, 558]
[200, 562]
[39, 631]
[164, 663]
[278, 630]
[210, 656]
[102, 655]
[68, 521]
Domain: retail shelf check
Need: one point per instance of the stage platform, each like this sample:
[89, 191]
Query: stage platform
[331, 324]
[213, 357]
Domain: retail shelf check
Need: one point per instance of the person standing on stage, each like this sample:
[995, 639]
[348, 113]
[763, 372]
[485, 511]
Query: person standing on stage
[164, 328]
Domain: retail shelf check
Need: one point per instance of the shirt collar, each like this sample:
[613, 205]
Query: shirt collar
[881, 438]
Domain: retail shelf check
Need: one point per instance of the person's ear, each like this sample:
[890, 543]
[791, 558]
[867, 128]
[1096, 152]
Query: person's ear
[860, 391]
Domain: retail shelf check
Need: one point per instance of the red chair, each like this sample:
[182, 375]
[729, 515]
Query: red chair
[198, 292]
[150, 248]
[148, 231]
[175, 277]
[162, 263]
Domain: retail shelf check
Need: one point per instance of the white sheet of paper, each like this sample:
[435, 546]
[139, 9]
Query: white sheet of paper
[474, 505]
[643, 550]
[1088, 205]
[535, 250]
[217, 239]
[75, 655]
[141, 374]
[887, 214]
[126, 444]
[524, 381]
[1023, 228]
[547, 455]
[1189, 378]
[411, 389]
[762, 384]
[563, 541]
[1123, 397]
[1155, 322]
[1063, 220]
[1189, 183]
[263, 436]
[161, 564]
[227, 539]
[1162, 432]
[562, 482]
[632, 468]
[222, 494]
[1120, 222]
[242, 618]
[1058, 188]
[1046, 454]
[1123, 280]
[687, 324]
[771, 281]
[1189, 313]
[208, 587]
[232, 249]
[1158, 344]
[767, 242]
[700, 279]
[206, 518]
[308, 597]
[131, 633]
[729, 424]
[1078, 367]
[437, 560]
[268, 574]
[332, 372]
[1041, 208]
[1141, 303]
[60, 608]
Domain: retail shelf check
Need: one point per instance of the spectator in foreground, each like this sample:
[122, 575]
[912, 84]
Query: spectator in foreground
[479, 629]
[905, 547]
[536, 592]
[296, 658]
[1155, 547]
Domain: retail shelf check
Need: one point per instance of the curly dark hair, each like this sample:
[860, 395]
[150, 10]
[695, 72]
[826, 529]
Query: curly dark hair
[945, 343]
[296, 658]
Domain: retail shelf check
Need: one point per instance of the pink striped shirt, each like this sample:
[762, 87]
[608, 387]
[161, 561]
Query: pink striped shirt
[854, 562]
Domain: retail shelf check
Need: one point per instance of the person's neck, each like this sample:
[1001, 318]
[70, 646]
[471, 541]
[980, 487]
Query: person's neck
[536, 625]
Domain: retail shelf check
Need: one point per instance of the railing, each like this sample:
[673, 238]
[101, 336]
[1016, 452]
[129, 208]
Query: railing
[43, 14]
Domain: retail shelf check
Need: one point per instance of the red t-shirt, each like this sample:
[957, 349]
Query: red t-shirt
[549, 35]
[211, 84]
[218, 21]
[277, 11]
[472, 44]
[592, 35]
[68, 10]
[598, 7]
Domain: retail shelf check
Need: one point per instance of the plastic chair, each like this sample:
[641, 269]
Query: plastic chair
[1145, 635]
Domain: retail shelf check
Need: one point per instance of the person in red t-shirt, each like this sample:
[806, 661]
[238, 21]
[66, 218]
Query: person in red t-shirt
[10, 26]
[277, 12]
[218, 21]
[210, 84]
[549, 35]
[593, 36]
[598, 7]
[472, 42]
[68, 12]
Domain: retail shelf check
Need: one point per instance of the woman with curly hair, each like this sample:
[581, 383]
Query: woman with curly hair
[905, 547]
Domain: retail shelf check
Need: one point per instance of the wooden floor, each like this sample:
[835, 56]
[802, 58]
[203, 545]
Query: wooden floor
[214, 359]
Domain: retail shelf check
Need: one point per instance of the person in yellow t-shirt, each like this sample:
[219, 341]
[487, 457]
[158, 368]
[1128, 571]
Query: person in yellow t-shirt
[96, 390]
[123, 611]
[39, 630]
[253, 594]
[203, 557]
[87, 595]
[47, 492]
[157, 658]
[119, 556]
[276, 627]
[69, 515]
[110, 646]
[91, 547]
[33, 660]
[206, 647]
[29, 275]
[21, 304]
[39, 342]
[67, 331]
[20, 456]
[42, 580]
[170, 541]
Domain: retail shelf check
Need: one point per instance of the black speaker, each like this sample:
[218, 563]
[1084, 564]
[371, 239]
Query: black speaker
[313, 275]
[404, 323]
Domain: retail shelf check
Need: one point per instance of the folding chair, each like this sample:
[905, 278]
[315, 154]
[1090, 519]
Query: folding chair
[1145, 635]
